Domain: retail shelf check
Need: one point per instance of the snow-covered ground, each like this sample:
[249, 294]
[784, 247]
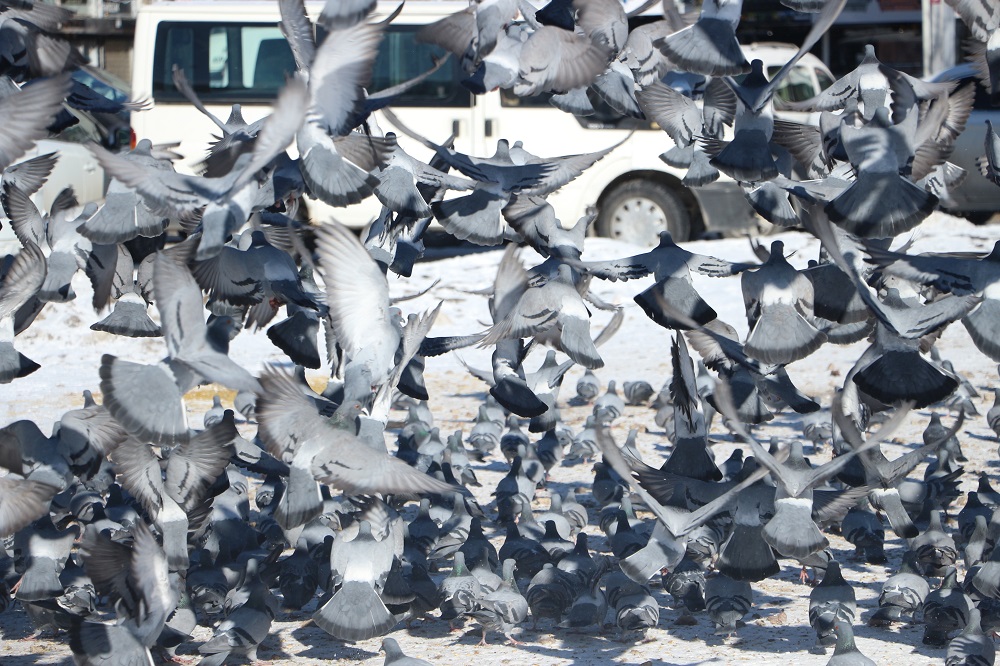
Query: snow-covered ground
[69, 353]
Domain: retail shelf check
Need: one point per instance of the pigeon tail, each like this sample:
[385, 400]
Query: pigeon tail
[129, 319]
[747, 157]
[905, 375]
[14, 364]
[889, 502]
[121, 219]
[678, 157]
[708, 47]
[982, 325]
[690, 458]
[771, 203]
[474, 217]
[782, 336]
[513, 393]
[354, 613]
[878, 205]
[746, 556]
[297, 336]
[682, 297]
[302, 500]
[792, 531]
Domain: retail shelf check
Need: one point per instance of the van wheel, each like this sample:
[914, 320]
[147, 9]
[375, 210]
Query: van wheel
[638, 210]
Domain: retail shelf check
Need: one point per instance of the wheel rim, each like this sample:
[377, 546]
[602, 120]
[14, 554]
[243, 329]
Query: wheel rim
[638, 220]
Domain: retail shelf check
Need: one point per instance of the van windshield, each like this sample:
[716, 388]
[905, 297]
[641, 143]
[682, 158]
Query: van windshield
[250, 62]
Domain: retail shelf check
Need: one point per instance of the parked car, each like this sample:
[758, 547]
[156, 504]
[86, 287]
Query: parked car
[76, 167]
[977, 199]
[115, 127]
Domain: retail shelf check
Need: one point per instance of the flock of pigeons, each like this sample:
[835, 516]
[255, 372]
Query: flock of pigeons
[128, 526]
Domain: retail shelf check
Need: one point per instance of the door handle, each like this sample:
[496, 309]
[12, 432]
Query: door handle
[455, 125]
[488, 129]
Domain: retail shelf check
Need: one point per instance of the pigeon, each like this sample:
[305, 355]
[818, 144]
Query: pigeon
[294, 431]
[195, 354]
[935, 550]
[778, 301]
[503, 609]
[394, 655]
[671, 267]
[587, 387]
[146, 594]
[831, 602]
[903, 592]
[250, 610]
[945, 610]
[971, 646]
[845, 652]
[634, 607]
[728, 601]
[359, 567]
[609, 406]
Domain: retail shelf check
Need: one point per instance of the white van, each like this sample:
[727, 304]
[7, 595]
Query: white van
[233, 52]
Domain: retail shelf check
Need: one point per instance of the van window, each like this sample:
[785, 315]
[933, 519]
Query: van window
[797, 85]
[401, 58]
[225, 62]
[250, 62]
[824, 79]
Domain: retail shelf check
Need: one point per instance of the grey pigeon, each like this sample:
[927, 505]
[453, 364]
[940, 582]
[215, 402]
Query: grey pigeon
[609, 406]
[846, 652]
[728, 601]
[903, 592]
[671, 267]
[971, 646]
[587, 387]
[250, 611]
[945, 610]
[881, 203]
[195, 355]
[634, 607]
[394, 655]
[778, 300]
[830, 603]
[19, 287]
[145, 593]
[294, 430]
[359, 567]
[503, 609]
[934, 548]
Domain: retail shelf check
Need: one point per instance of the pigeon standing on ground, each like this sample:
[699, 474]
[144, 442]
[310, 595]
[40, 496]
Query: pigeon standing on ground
[728, 601]
[831, 602]
[394, 655]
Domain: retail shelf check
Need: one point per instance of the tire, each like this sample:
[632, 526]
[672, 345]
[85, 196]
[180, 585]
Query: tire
[638, 210]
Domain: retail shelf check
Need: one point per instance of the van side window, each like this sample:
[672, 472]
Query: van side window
[223, 61]
[797, 86]
[401, 58]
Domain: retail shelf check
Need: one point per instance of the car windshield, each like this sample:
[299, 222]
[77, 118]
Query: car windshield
[108, 88]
